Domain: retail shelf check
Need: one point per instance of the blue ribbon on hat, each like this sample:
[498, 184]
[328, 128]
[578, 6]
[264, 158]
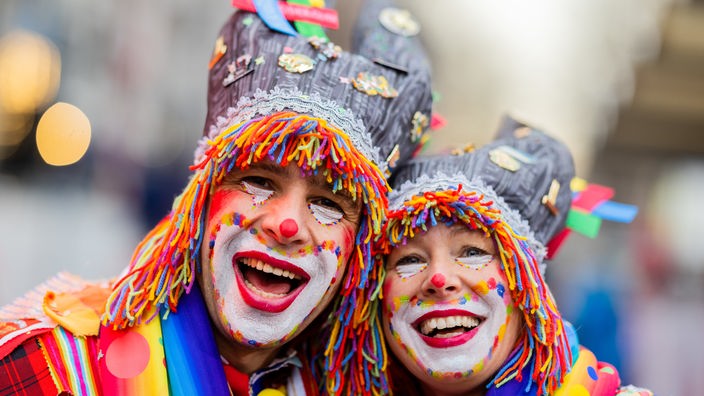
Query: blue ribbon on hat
[273, 17]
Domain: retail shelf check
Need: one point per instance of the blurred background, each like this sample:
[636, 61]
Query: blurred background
[101, 104]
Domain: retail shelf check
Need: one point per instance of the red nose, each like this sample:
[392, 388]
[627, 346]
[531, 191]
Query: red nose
[438, 280]
[288, 228]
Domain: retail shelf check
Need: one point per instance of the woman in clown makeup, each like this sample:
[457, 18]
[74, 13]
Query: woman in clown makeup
[466, 310]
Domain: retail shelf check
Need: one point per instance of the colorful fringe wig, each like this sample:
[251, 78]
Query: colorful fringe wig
[544, 347]
[164, 263]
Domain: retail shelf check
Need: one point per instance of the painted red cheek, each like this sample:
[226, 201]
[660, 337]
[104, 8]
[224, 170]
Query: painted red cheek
[288, 228]
[386, 288]
[219, 200]
[438, 280]
[348, 239]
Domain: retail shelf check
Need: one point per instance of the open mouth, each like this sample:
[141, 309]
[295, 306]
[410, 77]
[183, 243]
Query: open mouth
[266, 283]
[442, 329]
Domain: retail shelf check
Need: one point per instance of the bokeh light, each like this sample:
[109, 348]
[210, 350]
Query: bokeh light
[63, 134]
[30, 70]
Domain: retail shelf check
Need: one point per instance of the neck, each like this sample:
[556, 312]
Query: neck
[245, 360]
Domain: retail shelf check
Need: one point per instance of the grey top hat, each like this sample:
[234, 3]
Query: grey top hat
[380, 95]
[525, 171]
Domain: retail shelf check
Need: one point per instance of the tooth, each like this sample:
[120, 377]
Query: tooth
[260, 265]
[441, 323]
[433, 323]
[425, 327]
[278, 271]
[267, 268]
[470, 321]
[451, 321]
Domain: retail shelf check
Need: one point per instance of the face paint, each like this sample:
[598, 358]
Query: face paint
[262, 294]
[425, 331]
[475, 262]
[259, 195]
[325, 215]
[408, 270]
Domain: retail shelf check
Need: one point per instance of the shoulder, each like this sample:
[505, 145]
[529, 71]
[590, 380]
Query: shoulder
[47, 361]
[64, 300]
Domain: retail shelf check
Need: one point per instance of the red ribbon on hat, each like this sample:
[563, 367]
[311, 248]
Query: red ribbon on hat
[325, 17]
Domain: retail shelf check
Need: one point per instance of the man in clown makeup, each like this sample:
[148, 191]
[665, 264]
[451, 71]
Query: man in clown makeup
[261, 277]
[466, 310]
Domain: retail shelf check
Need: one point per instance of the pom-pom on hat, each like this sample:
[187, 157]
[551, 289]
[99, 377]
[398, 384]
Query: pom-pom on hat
[292, 100]
[517, 190]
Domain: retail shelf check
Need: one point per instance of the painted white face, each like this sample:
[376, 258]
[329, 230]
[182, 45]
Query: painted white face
[258, 305]
[448, 314]
[278, 245]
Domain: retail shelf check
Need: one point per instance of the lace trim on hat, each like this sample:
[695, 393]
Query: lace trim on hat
[442, 182]
[278, 99]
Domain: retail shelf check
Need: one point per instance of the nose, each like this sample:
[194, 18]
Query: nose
[440, 281]
[283, 218]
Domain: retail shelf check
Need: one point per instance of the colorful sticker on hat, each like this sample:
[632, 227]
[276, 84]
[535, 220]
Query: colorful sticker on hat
[296, 63]
[218, 52]
[551, 197]
[374, 85]
[392, 159]
[237, 69]
[504, 160]
[464, 150]
[510, 158]
[327, 49]
[399, 21]
[418, 124]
